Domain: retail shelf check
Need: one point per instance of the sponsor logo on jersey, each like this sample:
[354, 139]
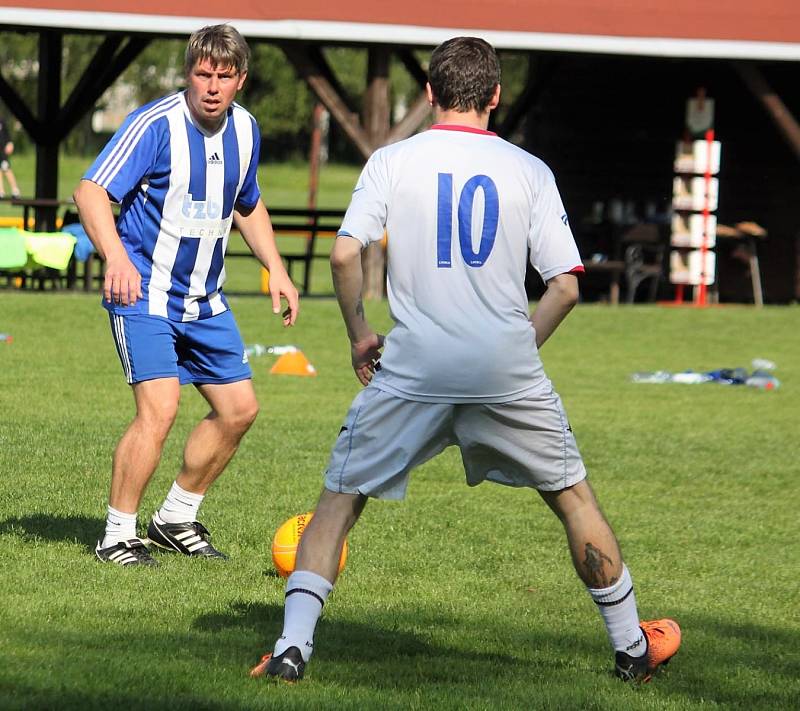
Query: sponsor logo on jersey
[214, 159]
[565, 219]
[200, 209]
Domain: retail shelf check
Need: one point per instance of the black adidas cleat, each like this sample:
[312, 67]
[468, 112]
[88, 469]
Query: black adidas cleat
[125, 553]
[189, 538]
[288, 666]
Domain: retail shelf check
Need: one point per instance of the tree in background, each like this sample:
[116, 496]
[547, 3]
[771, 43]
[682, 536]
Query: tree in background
[281, 102]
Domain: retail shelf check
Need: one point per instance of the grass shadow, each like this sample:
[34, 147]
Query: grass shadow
[372, 651]
[49, 527]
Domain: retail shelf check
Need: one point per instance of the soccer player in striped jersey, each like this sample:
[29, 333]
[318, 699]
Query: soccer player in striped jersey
[464, 211]
[183, 169]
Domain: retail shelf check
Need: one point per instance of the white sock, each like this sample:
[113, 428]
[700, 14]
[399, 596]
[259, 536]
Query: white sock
[306, 593]
[180, 505]
[617, 606]
[119, 527]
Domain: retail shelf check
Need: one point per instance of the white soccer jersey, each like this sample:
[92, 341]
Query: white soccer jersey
[462, 208]
[177, 185]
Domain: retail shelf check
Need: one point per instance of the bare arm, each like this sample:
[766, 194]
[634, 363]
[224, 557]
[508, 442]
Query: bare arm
[256, 228]
[348, 279]
[123, 283]
[559, 298]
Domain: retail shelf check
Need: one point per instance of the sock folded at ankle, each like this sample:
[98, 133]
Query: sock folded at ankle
[120, 526]
[180, 505]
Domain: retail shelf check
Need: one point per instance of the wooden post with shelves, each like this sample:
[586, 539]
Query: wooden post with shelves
[694, 200]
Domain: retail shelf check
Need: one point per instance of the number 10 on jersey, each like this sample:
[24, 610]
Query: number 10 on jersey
[444, 224]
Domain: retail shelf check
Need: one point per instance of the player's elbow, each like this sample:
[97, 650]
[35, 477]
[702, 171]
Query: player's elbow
[345, 254]
[84, 193]
[566, 289]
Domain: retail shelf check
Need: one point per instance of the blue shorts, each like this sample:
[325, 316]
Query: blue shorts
[208, 350]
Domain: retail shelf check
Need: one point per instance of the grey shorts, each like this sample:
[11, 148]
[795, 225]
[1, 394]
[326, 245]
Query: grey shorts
[5, 164]
[525, 442]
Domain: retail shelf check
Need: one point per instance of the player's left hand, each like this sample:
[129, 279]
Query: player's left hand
[366, 356]
[280, 285]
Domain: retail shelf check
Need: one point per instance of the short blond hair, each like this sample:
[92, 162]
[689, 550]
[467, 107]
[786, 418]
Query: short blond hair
[222, 45]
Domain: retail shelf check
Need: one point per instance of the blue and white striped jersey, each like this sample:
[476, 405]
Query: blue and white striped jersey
[177, 185]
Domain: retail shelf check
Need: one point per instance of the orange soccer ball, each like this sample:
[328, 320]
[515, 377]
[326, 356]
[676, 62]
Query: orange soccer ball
[286, 540]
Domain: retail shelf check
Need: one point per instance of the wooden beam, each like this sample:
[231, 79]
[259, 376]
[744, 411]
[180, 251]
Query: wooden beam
[97, 64]
[18, 108]
[413, 67]
[315, 55]
[781, 115]
[540, 74]
[331, 99]
[102, 71]
[420, 110]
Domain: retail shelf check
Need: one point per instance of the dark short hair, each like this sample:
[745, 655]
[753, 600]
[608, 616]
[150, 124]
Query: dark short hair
[222, 45]
[464, 73]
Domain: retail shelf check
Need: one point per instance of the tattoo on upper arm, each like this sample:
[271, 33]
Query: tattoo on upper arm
[594, 564]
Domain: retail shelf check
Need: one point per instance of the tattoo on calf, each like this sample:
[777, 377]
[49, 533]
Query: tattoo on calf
[360, 309]
[594, 564]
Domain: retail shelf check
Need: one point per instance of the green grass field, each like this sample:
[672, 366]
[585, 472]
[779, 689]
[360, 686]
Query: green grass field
[455, 599]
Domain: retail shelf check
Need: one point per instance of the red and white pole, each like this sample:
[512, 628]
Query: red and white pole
[702, 290]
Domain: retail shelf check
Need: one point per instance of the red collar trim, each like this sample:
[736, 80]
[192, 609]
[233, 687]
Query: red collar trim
[456, 127]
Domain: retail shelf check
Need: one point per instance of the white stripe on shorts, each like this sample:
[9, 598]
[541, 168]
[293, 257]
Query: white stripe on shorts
[122, 347]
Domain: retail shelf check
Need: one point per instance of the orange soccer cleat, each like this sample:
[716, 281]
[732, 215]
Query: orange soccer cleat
[288, 666]
[260, 669]
[663, 640]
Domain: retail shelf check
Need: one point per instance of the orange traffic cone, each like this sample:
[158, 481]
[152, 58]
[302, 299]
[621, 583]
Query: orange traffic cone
[294, 363]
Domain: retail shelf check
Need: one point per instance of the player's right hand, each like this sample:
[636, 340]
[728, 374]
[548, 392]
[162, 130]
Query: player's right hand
[366, 357]
[123, 283]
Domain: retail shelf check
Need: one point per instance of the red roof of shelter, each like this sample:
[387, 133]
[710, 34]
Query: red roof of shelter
[769, 29]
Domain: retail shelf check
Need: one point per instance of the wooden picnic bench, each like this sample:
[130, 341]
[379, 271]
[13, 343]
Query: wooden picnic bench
[309, 225]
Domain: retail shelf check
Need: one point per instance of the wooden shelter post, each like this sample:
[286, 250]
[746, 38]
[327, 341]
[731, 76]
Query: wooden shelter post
[377, 122]
[47, 143]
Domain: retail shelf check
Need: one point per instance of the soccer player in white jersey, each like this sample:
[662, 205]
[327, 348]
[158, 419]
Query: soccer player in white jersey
[183, 169]
[463, 210]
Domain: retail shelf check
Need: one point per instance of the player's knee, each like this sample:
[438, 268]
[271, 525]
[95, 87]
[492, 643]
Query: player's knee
[577, 500]
[158, 418]
[239, 420]
[249, 414]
